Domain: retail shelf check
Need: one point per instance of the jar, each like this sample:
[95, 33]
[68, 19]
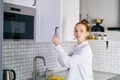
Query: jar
[99, 37]
[104, 37]
[93, 37]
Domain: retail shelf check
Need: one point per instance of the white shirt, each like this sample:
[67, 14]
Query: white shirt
[79, 61]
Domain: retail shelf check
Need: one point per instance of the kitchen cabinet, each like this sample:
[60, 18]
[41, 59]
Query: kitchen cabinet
[70, 16]
[28, 3]
[56, 13]
[48, 17]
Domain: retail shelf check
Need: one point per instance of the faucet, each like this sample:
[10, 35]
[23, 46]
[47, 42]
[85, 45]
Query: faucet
[35, 72]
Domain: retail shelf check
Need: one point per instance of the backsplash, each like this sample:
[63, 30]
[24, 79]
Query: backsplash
[19, 56]
[106, 59]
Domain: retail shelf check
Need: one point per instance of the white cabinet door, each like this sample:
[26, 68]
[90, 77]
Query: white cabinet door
[70, 16]
[56, 13]
[28, 3]
[47, 18]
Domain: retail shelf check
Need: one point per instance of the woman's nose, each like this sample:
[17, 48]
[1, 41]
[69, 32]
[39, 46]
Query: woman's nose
[78, 32]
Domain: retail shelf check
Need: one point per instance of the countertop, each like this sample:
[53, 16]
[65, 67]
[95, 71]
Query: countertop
[96, 74]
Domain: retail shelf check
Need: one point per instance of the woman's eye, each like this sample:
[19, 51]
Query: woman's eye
[81, 30]
[76, 30]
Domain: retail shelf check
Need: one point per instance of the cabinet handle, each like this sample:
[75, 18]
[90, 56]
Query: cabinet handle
[56, 30]
[34, 3]
[107, 43]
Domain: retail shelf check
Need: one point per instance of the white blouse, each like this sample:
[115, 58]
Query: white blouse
[79, 61]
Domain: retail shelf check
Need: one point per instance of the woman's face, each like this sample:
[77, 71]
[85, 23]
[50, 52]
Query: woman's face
[80, 32]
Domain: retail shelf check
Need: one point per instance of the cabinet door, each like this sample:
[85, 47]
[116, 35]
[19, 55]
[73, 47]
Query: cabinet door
[70, 16]
[28, 3]
[1, 37]
[47, 18]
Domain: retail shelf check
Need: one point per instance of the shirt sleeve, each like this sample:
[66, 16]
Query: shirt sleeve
[82, 56]
[63, 58]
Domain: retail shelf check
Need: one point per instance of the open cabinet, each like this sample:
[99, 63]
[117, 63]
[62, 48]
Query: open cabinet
[47, 19]
[56, 13]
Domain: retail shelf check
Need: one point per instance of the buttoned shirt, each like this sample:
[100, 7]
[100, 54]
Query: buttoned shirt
[79, 61]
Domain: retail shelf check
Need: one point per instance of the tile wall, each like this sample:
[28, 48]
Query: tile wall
[106, 59]
[19, 56]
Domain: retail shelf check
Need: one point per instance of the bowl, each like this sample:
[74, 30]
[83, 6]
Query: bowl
[98, 20]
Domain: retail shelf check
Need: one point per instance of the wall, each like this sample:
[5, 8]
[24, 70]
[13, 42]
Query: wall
[106, 60]
[106, 9]
[19, 56]
[100, 9]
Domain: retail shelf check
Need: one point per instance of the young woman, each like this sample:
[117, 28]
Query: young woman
[79, 61]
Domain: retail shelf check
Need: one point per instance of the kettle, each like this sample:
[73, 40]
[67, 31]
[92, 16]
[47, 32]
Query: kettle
[9, 74]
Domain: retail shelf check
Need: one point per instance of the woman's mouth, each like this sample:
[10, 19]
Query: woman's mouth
[78, 36]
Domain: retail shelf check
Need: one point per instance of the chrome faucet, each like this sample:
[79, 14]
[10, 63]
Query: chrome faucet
[35, 71]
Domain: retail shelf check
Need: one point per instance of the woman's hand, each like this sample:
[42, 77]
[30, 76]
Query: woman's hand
[56, 39]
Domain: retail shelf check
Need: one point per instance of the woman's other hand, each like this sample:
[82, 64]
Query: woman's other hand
[56, 39]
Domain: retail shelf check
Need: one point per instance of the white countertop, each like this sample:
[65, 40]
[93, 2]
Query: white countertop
[102, 75]
[96, 74]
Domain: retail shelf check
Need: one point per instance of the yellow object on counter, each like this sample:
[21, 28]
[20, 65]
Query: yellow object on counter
[56, 78]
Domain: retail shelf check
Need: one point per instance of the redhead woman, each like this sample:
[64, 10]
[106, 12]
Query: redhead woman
[79, 60]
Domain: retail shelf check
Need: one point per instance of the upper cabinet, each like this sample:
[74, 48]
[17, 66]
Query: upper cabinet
[70, 16]
[28, 3]
[48, 19]
[51, 14]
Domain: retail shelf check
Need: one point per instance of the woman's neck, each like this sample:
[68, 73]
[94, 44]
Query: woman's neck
[79, 42]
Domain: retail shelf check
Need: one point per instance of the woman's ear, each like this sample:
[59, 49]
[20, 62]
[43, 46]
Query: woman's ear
[87, 34]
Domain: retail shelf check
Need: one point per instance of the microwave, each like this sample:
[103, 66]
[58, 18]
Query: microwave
[18, 22]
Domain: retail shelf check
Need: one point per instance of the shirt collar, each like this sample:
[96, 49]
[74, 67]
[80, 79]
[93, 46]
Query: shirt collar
[81, 44]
